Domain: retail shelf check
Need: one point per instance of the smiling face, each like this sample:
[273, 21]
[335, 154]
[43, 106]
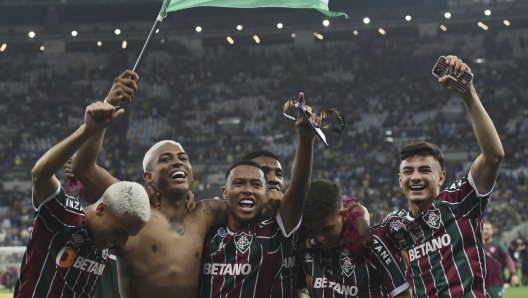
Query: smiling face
[245, 189]
[109, 230]
[420, 179]
[326, 231]
[273, 170]
[170, 170]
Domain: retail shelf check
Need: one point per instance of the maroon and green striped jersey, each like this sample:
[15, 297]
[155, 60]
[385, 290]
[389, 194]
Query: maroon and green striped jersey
[61, 259]
[247, 263]
[336, 273]
[442, 246]
[497, 257]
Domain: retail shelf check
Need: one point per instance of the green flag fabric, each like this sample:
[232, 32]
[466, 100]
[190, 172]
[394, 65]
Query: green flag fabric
[321, 5]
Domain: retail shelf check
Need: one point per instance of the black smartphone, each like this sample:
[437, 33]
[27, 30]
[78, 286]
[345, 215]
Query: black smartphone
[461, 83]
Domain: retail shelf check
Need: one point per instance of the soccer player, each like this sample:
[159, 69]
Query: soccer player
[439, 234]
[163, 260]
[244, 258]
[285, 283]
[70, 239]
[496, 256]
[338, 265]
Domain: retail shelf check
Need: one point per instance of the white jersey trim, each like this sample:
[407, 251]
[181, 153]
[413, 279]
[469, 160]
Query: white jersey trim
[472, 183]
[53, 195]
[281, 225]
[399, 289]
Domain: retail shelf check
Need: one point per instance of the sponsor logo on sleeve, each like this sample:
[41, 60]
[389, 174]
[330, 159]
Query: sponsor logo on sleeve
[243, 241]
[396, 225]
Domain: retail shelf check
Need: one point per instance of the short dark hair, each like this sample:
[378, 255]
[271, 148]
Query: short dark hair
[244, 163]
[422, 148]
[323, 199]
[259, 153]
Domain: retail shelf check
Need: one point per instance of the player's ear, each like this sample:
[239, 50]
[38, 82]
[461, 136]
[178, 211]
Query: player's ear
[101, 209]
[442, 178]
[147, 176]
[224, 192]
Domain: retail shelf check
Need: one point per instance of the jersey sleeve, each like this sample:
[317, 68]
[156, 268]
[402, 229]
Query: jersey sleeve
[60, 211]
[281, 225]
[387, 261]
[506, 257]
[463, 197]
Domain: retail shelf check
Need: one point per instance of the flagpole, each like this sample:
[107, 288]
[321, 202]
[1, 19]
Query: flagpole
[159, 19]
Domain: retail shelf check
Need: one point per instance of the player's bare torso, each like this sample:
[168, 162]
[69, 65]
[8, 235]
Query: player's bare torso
[163, 260]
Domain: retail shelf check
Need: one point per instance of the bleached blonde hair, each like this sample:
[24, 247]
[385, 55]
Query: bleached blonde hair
[128, 197]
[149, 156]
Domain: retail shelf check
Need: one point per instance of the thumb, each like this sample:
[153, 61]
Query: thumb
[117, 114]
[443, 81]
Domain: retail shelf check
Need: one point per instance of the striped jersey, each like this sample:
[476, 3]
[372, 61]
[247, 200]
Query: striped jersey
[336, 273]
[496, 257]
[61, 259]
[247, 262]
[442, 246]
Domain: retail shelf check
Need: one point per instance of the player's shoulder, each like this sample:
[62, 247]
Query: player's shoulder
[456, 186]
[395, 215]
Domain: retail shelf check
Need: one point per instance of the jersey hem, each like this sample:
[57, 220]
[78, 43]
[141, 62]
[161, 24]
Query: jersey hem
[399, 289]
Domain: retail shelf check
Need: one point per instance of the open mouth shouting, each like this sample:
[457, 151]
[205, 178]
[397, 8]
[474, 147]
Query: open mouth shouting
[179, 176]
[247, 205]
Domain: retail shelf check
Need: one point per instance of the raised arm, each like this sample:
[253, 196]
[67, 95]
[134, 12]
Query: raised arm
[94, 178]
[486, 167]
[292, 203]
[97, 117]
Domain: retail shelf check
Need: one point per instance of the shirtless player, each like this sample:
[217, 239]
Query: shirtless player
[163, 260]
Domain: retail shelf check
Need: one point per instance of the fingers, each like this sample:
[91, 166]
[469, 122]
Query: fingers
[68, 170]
[123, 88]
[301, 97]
[100, 109]
[456, 65]
[129, 74]
[154, 196]
[189, 203]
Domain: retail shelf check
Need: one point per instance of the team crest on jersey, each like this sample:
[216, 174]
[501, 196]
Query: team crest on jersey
[492, 249]
[347, 265]
[104, 253]
[432, 218]
[307, 257]
[243, 241]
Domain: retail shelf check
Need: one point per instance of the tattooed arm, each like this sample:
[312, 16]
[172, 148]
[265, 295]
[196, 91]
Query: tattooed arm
[212, 212]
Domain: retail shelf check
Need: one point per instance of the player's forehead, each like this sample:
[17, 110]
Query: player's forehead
[417, 161]
[169, 148]
[247, 172]
[268, 163]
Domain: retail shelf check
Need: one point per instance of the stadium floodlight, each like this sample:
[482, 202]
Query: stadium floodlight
[408, 18]
[42, 48]
[117, 31]
[162, 40]
[256, 38]
[198, 29]
[31, 34]
[157, 30]
[230, 40]
[444, 28]
[74, 33]
[124, 44]
[487, 12]
[99, 43]
[480, 60]
[506, 22]
[482, 25]
[381, 31]
[239, 27]
[280, 25]
[3, 47]
[326, 23]
[356, 32]
[366, 20]
[447, 15]
[319, 36]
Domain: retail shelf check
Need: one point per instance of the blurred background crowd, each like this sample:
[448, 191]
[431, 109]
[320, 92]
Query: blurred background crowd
[224, 101]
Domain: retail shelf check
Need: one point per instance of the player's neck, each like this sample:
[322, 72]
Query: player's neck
[234, 224]
[173, 208]
[486, 241]
[417, 209]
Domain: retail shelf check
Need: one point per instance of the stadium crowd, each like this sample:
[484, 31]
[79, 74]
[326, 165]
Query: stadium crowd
[227, 101]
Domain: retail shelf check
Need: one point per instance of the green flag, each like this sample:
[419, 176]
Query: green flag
[321, 5]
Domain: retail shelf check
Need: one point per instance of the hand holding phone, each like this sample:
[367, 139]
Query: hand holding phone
[460, 82]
